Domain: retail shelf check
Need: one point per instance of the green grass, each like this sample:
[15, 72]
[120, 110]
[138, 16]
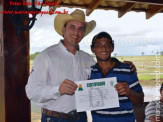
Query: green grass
[149, 80]
[148, 83]
[149, 77]
[142, 64]
[146, 77]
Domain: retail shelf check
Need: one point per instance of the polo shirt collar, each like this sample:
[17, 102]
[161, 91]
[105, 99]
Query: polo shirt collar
[117, 64]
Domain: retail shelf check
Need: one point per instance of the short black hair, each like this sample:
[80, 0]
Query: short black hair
[161, 87]
[102, 35]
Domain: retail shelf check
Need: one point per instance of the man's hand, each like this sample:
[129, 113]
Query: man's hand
[135, 97]
[67, 87]
[132, 66]
[123, 88]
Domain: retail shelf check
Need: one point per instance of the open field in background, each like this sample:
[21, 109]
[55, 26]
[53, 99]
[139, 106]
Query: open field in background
[146, 67]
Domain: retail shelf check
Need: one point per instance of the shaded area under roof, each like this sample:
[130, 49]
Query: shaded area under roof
[150, 7]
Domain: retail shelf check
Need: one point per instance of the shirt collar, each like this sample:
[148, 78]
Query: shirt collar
[117, 64]
[64, 48]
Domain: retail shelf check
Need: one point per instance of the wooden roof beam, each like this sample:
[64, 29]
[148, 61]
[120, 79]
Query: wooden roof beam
[92, 6]
[153, 10]
[126, 8]
[153, 2]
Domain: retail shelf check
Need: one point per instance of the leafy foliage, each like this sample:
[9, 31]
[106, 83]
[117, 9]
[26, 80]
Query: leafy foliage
[32, 56]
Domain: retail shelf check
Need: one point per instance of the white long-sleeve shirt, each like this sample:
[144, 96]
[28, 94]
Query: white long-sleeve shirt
[50, 68]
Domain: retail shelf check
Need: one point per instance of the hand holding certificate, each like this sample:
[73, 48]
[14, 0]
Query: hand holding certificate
[96, 94]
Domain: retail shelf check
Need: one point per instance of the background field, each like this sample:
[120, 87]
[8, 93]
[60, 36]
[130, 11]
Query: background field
[146, 71]
[147, 67]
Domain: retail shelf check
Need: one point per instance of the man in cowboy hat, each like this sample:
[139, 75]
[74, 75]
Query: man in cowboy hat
[51, 83]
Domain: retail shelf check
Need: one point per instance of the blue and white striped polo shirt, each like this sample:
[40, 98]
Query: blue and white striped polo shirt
[122, 72]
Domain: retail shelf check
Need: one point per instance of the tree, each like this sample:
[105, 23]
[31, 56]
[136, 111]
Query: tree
[142, 53]
[161, 52]
[158, 52]
[32, 56]
[115, 54]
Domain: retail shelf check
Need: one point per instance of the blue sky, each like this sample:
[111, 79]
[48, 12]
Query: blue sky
[132, 33]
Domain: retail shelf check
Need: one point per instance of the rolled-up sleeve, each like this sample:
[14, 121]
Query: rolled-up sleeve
[37, 88]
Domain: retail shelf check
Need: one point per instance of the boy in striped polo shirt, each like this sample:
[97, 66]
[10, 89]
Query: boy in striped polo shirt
[128, 87]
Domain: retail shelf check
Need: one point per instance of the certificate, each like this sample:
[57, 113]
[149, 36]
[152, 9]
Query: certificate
[96, 94]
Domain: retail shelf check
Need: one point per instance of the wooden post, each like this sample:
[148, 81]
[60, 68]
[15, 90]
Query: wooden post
[14, 70]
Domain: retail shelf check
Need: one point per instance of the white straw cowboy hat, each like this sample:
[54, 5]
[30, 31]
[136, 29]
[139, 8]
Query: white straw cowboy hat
[78, 15]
